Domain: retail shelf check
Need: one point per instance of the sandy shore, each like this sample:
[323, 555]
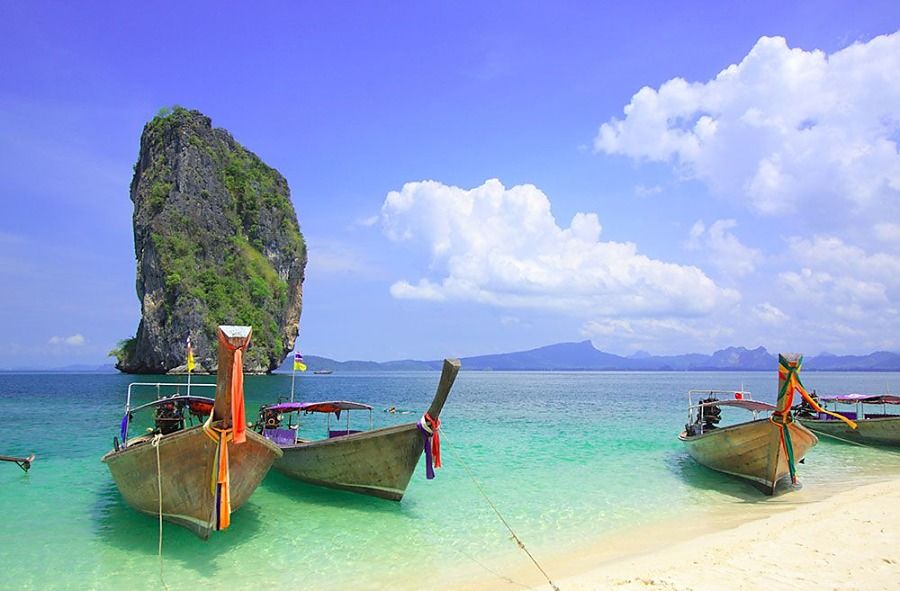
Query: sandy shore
[848, 541]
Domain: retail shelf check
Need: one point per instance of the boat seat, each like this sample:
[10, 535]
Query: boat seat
[281, 436]
[342, 432]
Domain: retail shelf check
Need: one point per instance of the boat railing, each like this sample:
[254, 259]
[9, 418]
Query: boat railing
[160, 387]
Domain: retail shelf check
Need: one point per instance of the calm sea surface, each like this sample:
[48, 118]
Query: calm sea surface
[566, 457]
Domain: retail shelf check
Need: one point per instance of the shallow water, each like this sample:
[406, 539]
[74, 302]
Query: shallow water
[565, 456]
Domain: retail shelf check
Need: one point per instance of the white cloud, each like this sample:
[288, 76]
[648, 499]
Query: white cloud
[832, 254]
[644, 191]
[672, 334]
[75, 340]
[724, 251]
[783, 127]
[769, 314]
[503, 247]
[367, 222]
[887, 232]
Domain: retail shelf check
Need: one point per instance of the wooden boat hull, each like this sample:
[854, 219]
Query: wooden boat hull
[186, 460]
[378, 463]
[877, 431]
[750, 450]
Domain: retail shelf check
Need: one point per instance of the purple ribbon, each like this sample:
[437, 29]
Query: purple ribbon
[426, 441]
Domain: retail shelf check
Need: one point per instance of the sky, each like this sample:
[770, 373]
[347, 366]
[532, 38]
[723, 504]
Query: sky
[475, 178]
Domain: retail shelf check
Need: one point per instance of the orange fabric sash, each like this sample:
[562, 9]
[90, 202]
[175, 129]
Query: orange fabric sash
[238, 416]
[220, 481]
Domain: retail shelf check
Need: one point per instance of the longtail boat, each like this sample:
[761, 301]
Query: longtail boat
[763, 450]
[377, 462]
[22, 462]
[874, 424]
[194, 475]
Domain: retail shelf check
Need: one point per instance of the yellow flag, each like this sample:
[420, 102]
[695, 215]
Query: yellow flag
[190, 356]
[298, 362]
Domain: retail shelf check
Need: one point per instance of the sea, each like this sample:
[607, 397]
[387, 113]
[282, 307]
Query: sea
[568, 459]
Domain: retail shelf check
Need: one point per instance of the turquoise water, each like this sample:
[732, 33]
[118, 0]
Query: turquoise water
[565, 456]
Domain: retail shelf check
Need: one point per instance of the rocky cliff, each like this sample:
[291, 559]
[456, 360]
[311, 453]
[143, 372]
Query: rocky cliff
[217, 242]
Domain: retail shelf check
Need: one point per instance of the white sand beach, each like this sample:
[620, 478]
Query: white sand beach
[848, 541]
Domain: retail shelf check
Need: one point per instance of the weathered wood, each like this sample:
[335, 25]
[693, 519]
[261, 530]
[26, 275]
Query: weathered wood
[236, 336]
[187, 460]
[793, 360]
[750, 450]
[378, 463]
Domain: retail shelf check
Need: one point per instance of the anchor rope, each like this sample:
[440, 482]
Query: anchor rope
[155, 443]
[512, 532]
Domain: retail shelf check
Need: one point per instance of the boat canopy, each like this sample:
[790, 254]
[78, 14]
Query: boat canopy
[864, 398]
[335, 406]
[196, 402]
[751, 405]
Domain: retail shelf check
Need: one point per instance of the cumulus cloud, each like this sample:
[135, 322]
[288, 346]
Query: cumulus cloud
[502, 246]
[75, 340]
[783, 127]
[769, 314]
[724, 250]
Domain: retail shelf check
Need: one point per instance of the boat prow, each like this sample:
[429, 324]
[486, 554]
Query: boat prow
[752, 450]
[194, 476]
[186, 461]
[379, 462]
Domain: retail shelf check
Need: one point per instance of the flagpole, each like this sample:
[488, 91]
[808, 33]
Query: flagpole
[189, 381]
[293, 376]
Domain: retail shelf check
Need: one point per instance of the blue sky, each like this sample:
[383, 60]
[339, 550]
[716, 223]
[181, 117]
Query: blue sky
[467, 177]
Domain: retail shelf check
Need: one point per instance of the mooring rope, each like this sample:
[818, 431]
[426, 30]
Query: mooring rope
[155, 443]
[515, 537]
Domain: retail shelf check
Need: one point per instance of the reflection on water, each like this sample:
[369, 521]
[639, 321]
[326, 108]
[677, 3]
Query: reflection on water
[565, 456]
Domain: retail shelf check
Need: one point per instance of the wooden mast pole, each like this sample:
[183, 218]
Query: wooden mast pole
[783, 402]
[236, 336]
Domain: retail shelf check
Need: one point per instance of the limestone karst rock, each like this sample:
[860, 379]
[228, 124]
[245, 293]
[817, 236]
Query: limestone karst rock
[217, 241]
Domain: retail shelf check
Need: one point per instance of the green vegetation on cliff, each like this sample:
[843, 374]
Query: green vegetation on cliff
[223, 243]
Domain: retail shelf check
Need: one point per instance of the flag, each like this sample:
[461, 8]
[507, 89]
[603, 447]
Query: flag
[298, 362]
[190, 356]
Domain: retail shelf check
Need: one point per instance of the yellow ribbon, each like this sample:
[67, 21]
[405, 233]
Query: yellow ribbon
[220, 479]
[789, 375]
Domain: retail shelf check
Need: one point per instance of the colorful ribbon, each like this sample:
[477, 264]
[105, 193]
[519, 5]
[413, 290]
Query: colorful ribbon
[790, 382]
[220, 481]
[789, 376]
[431, 441]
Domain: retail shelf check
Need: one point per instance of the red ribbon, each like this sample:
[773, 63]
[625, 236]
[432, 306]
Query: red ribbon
[434, 424]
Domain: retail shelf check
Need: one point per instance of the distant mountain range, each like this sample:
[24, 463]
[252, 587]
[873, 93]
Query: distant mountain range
[584, 357]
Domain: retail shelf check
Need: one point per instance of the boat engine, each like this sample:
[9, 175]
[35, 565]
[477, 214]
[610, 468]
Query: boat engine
[269, 419]
[169, 418]
[709, 415]
[805, 410]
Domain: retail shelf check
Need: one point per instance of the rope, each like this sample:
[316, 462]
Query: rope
[515, 537]
[155, 443]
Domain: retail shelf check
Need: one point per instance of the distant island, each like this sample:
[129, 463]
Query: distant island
[582, 356]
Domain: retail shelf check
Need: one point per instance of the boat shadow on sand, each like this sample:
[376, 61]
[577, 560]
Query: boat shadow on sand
[695, 475]
[120, 526]
[311, 494]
